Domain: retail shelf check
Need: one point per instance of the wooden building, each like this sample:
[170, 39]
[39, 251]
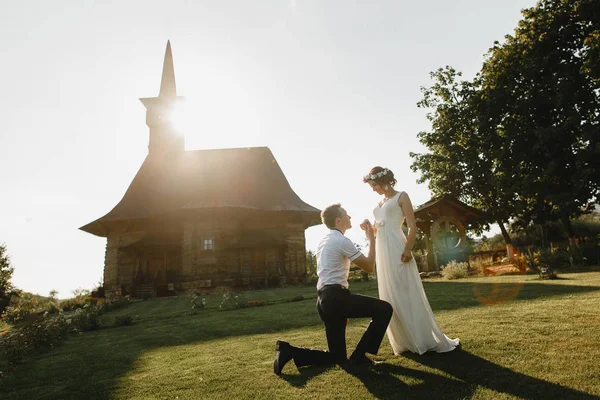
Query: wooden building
[445, 220]
[204, 218]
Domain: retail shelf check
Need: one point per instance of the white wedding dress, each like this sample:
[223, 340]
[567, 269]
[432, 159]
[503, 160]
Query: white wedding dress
[413, 326]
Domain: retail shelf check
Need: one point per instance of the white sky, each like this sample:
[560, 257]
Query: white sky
[330, 86]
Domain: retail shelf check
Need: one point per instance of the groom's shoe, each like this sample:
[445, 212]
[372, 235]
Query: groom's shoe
[284, 354]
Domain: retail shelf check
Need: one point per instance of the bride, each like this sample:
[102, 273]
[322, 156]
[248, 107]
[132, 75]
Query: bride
[413, 326]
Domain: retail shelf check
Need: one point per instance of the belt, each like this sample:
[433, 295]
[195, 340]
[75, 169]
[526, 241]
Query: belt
[335, 286]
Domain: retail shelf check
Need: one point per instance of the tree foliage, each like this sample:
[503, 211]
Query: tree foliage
[522, 139]
[6, 272]
[544, 103]
[465, 156]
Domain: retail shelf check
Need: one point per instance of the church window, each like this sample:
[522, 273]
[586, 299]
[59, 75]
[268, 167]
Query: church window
[208, 244]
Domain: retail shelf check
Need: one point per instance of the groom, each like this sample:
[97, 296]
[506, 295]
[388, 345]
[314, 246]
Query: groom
[335, 302]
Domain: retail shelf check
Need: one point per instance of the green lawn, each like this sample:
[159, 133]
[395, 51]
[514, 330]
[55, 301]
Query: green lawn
[521, 338]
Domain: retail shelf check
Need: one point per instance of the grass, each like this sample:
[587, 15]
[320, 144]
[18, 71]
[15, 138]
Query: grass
[521, 338]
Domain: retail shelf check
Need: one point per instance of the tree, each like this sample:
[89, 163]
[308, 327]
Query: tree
[541, 94]
[311, 264]
[466, 156]
[522, 140]
[6, 272]
[589, 13]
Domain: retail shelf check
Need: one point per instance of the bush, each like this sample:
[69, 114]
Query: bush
[233, 302]
[197, 302]
[47, 332]
[575, 253]
[455, 270]
[21, 309]
[115, 303]
[85, 319]
[542, 262]
[72, 304]
[16, 344]
[554, 258]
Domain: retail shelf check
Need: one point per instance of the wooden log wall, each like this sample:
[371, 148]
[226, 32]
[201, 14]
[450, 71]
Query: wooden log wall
[119, 265]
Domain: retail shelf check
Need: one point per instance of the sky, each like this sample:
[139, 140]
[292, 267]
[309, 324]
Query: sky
[330, 86]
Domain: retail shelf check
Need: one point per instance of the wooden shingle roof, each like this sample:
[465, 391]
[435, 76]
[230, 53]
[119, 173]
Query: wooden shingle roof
[434, 208]
[243, 178]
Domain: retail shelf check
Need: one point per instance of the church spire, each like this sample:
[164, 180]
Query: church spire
[167, 84]
[163, 137]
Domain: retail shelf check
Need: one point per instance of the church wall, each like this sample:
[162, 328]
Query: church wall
[232, 263]
[295, 253]
[206, 268]
[111, 282]
[118, 265]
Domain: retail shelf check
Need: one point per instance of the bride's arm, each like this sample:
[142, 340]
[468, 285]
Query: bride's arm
[407, 208]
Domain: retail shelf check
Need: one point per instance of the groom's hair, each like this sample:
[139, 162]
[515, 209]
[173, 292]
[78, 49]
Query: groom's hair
[330, 214]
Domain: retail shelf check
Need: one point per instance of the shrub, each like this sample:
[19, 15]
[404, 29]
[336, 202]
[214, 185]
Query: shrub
[48, 333]
[574, 253]
[115, 303]
[197, 302]
[233, 302]
[72, 304]
[455, 270]
[20, 309]
[553, 258]
[85, 319]
[52, 308]
[541, 262]
[14, 314]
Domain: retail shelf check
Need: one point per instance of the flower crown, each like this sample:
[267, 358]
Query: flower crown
[372, 177]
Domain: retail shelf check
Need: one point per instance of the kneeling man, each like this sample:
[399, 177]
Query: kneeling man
[335, 302]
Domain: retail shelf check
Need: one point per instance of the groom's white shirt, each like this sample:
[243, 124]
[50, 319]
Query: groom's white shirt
[335, 252]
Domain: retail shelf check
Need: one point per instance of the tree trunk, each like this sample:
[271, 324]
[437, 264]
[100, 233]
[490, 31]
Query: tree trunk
[566, 221]
[505, 234]
[510, 250]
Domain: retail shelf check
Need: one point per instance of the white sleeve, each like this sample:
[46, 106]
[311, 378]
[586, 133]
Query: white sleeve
[350, 250]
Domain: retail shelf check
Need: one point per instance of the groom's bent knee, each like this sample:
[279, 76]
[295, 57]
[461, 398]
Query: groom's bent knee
[386, 310]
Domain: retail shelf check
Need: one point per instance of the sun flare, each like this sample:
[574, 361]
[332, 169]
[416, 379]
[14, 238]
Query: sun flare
[180, 118]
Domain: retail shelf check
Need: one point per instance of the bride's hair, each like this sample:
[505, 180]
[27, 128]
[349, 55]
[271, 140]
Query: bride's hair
[380, 175]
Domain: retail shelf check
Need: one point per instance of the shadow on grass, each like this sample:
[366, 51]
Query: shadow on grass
[306, 374]
[473, 371]
[454, 295]
[467, 371]
[93, 365]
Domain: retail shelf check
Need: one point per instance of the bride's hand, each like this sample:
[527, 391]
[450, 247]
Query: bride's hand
[406, 256]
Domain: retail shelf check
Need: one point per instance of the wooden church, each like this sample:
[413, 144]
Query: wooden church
[201, 219]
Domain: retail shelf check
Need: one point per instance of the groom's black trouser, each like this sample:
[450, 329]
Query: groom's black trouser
[335, 304]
